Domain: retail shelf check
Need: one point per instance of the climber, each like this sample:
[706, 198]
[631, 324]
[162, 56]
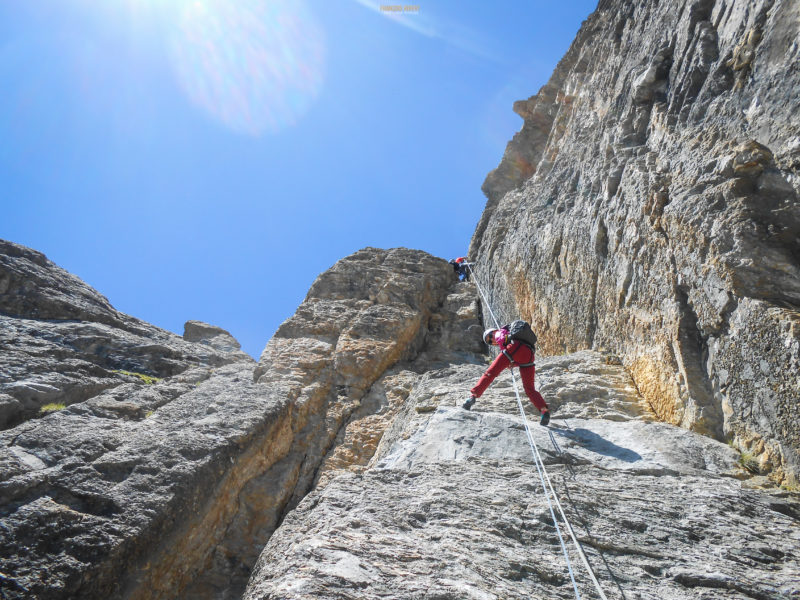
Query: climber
[513, 353]
[461, 267]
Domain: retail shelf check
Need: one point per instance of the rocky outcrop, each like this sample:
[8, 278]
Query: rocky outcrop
[451, 506]
[124, 494]
[649, 206]
[169, 481]
[216, 337]
[63, 343]
[340, 363]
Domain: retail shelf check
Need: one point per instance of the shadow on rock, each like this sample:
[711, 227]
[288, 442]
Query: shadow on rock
[591, 441]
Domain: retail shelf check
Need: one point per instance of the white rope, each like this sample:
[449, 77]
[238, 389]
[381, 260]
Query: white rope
[537, 460]
[536, 457]
[544, 476]
[485, 301]
[571, 532]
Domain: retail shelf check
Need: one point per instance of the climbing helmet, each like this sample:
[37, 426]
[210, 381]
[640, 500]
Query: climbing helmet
[488, 335]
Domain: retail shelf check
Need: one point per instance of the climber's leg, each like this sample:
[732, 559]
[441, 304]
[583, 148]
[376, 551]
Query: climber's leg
[528, 376]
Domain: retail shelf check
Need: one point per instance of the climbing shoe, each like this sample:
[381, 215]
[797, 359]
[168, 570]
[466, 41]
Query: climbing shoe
[468, 403]
[545, 418]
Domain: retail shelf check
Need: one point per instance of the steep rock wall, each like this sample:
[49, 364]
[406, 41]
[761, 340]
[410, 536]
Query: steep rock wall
[649, 205]
[170, 487]
[339, 363]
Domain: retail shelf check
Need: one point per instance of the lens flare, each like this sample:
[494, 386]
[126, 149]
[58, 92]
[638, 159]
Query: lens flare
[255, 65]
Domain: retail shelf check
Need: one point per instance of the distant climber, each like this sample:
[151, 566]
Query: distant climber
[461, 267]
[514, 352]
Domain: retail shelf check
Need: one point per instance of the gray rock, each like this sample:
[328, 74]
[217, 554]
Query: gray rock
[657, 213]
[216, 337]
[63, 343]
[32, 287]
[170, 486]
[451, 506]
[121, 495]
[482, 530]
[368, 314]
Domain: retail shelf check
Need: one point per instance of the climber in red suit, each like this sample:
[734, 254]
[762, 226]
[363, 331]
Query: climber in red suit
[522, 356]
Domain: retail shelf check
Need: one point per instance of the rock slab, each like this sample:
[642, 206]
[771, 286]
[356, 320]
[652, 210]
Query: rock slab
[451, 506]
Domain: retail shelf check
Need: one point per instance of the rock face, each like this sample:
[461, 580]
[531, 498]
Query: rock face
[63, 343]
[340, 364]
[216, 337]
[451, 506]
[649, 206]
[167, 480]
[341, 465]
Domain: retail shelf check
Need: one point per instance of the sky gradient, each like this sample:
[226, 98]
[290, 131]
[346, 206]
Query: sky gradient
[206, 159]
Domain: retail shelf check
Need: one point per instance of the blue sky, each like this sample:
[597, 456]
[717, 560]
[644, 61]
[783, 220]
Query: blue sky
[207, 159]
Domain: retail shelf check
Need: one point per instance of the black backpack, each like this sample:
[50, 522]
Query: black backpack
[521, 330]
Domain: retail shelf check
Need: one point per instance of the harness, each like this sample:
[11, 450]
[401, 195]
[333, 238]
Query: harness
[510, 356]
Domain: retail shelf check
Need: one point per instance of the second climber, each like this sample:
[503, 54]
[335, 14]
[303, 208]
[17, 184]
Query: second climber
[513, 353]
[461, 267]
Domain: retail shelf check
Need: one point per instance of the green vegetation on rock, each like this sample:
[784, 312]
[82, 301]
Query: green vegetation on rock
[148, 379]
[749, 462]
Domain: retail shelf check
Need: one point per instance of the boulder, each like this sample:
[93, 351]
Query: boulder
[211, 335]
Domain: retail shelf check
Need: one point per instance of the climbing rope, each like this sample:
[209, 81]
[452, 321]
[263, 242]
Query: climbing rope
[485, 300]
[544, 477]
[537, 460]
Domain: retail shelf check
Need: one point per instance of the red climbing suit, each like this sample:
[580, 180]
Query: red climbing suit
[522, 354]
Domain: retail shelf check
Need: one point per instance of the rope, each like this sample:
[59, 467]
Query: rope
[537, 460]
[545, 477]
[534, 450]
[485, 301]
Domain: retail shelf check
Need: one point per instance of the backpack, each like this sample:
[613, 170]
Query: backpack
[521, 330]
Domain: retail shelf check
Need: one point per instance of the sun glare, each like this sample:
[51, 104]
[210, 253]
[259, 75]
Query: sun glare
[255, 65]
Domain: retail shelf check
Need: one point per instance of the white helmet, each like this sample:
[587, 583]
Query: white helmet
[487, 333]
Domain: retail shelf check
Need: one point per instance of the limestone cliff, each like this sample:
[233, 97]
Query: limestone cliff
[164, 474]
[341, 465]
[649, 206]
